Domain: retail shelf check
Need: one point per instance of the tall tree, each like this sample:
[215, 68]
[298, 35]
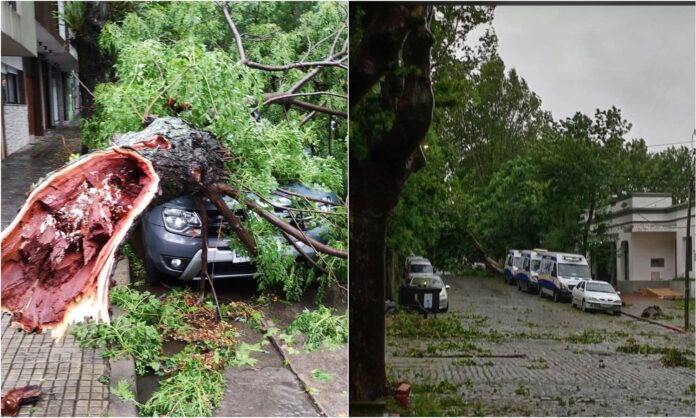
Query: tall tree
[391, 105]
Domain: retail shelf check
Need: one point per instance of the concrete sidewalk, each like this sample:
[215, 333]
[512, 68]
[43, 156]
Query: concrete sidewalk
[26, 166]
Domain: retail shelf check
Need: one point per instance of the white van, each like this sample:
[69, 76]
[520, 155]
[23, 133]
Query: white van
[528, 274]
[560, 273]
[513, 262]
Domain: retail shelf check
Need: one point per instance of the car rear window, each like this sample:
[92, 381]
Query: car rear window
[600, 287]
[421, 268]
[426, 282]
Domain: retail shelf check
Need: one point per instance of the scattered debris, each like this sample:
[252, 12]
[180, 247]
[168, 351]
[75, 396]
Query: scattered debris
[16, 397]
[652, 312]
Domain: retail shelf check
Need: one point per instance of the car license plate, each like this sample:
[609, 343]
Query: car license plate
[605, 305]
[428, 300]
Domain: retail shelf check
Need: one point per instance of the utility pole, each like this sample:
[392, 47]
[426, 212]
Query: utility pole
[688, 257]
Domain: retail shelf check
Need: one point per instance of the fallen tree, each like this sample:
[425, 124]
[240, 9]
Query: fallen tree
[59, 252]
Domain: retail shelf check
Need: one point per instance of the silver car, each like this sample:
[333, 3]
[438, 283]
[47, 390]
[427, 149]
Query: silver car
[596, 295]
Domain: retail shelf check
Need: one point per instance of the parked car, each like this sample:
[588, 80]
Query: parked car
[172, 236]
[431, 281]
[513, 262]
[596, 295]
[560, 273]
[528, 273]
[417, 265]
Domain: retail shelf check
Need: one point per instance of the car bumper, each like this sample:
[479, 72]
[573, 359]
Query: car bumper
[223, 262]
[598, 306]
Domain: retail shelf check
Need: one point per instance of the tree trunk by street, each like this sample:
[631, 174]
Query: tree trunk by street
[390, 33]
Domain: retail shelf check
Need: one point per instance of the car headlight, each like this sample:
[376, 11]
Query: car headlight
[591, 299]
[178, 221]
[564, 286]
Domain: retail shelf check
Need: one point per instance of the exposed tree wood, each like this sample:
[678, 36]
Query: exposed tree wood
[16, 397]
[204, 256]
[234, 222]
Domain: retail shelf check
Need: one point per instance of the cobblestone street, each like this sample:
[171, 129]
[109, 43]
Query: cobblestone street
[531, 356]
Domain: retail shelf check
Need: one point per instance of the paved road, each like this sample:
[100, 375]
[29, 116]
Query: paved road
[551, 374]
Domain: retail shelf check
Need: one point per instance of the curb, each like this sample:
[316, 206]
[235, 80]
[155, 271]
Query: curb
[287, 361]
[121, 368]
[670, 327]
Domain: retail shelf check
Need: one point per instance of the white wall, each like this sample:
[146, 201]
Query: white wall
[16, 123]
[20, 25]
[646, 245]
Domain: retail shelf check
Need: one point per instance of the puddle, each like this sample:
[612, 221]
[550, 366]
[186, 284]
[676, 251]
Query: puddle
[149, 383]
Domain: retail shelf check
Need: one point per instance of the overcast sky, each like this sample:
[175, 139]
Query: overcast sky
[579, 58]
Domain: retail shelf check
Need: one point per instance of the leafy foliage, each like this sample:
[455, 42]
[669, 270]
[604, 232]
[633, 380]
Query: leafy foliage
[185, 51]
[320, 327]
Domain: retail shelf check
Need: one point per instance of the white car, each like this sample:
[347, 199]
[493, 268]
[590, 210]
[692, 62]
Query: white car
[432, 281]
[417, 265]
[596, 295]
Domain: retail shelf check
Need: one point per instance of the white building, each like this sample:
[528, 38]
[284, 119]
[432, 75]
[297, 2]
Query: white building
[649, 240]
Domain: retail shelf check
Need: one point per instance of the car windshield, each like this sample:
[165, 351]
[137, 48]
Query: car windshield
[432, 281]
[517, 261]
[574, 270]
[600, 287]
[535, 265]
[421, 268]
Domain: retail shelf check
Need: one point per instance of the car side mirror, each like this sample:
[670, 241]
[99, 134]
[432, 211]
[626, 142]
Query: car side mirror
[618, 292]
[447, 286]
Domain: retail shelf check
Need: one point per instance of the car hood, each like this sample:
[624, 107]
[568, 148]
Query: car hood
[609, 297]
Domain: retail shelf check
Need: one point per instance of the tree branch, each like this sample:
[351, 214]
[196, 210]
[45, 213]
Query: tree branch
[232, 219]
[221, 188]
[329, 62]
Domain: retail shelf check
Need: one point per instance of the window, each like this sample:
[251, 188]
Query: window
[553, 269]
[657, 262]
[525, 265]
[535, 265]
[12, 4]
[509, 261]
[10, 91]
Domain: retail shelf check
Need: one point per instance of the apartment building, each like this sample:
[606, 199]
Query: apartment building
[38, 90]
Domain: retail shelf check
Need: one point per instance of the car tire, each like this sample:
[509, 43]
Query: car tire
[582, 307]
[541, 292]
[519, 286]
[153, 276]
[445, 310]
[556, 297]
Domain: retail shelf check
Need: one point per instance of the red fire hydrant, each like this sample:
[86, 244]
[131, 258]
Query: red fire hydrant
[403, 391]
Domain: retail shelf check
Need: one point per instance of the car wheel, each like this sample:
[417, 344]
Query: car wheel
[153, 276]
[556, 297]
[519, 286]
[541, 292]
[583, 306]
[446, 309]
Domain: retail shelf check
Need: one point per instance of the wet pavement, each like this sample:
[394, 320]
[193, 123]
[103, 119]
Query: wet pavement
[523, 355]
[25, 167]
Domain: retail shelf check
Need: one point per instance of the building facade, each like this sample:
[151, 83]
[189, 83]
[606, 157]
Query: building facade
[38, 89]
[646, 233]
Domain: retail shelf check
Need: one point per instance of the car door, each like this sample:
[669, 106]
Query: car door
[578, 292]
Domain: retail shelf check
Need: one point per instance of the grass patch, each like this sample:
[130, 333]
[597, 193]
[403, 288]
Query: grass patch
[671, 357]
[679, 304]
[538, 364]
[522, 391]
[322, 376]
[415, 326]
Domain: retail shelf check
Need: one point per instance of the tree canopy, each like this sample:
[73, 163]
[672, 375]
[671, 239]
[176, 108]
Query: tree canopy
[186, 58]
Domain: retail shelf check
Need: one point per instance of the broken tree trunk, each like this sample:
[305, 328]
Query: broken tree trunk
[59, 252]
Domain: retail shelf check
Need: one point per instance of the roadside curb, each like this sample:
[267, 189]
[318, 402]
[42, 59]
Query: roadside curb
[287, 361]
[121, 368]
[670, 327]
